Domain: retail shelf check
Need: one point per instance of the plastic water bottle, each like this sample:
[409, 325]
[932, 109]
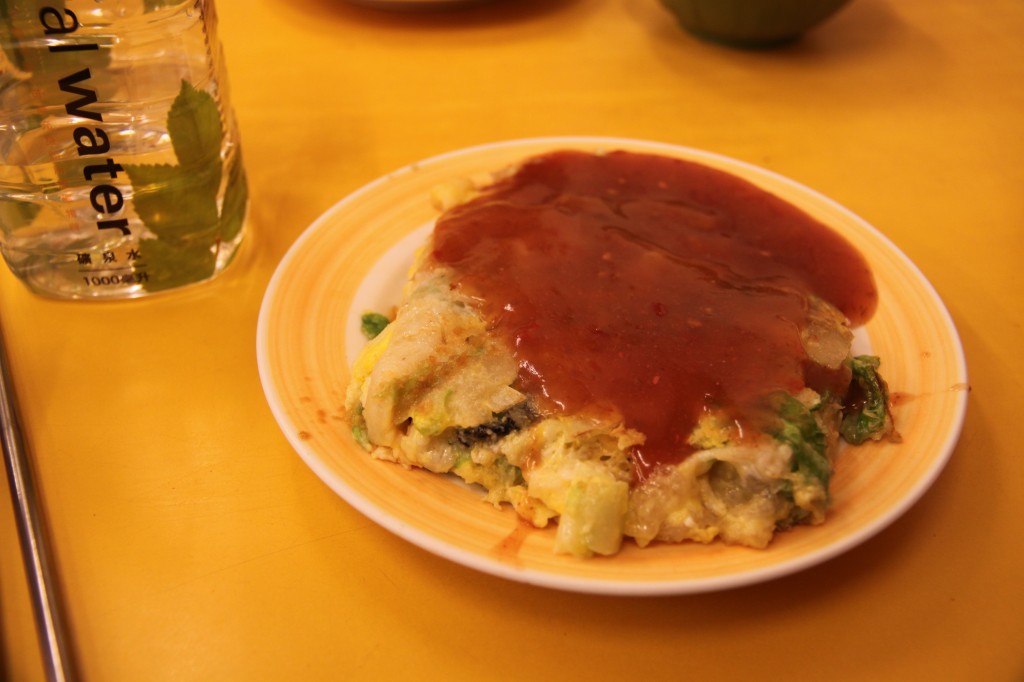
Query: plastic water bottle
[121, 170]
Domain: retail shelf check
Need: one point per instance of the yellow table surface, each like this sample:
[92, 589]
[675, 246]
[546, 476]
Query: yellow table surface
[193, 544]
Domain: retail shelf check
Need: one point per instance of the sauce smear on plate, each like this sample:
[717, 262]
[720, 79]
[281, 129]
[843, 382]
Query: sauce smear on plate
[652, 285]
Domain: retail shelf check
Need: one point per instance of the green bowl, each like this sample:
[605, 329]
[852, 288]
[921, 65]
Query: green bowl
[751, 23]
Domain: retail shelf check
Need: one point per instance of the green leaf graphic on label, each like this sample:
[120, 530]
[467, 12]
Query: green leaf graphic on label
[173, 202]
[16, 214]
[178, 203]
[172, 264]
[194, 126]
[236, 197]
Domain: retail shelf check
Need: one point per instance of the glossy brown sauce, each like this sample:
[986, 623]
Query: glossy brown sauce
[656, 286]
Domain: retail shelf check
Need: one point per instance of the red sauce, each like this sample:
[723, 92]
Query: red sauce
[653, 285]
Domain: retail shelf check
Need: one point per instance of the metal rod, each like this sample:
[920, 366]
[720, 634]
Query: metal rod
[50, 625]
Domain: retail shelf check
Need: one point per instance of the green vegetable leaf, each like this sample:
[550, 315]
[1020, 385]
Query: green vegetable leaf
[361, 437]
[866, 409]
[800, 431]
[373, 324]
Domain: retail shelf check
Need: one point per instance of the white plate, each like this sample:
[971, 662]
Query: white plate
[354, 258]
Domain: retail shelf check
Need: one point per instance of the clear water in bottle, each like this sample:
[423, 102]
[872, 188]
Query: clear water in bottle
[122, 174]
